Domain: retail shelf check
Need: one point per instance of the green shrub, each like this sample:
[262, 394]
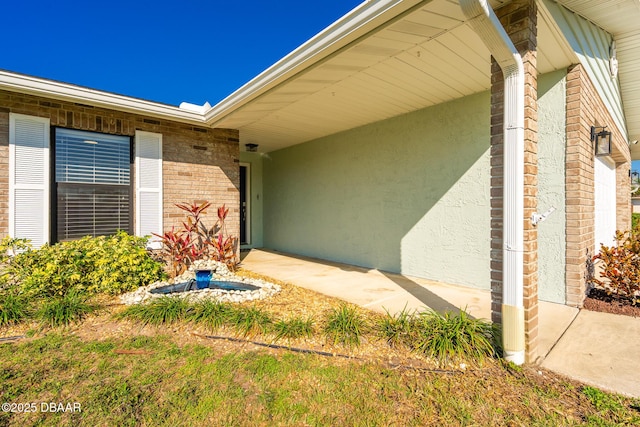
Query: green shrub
[65, 309]
[10, 246]
[112, 265]
[448, 337]
[621, 272]
[635, 218]
[13, 308]
[345, 325]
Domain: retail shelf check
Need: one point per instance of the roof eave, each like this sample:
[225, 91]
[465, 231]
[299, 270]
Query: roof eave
[66, 92]
[361, 20]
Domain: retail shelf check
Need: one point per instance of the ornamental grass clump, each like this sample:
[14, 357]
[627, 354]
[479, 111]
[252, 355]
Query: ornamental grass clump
[250, 321]
[158, 311]
[398, 329]
[13, 308]
[63, 310]
[448, 337]
[345, 325]
[295, 327]
[212, 314]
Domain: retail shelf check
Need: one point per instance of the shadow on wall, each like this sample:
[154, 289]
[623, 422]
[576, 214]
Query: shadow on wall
[407, 195]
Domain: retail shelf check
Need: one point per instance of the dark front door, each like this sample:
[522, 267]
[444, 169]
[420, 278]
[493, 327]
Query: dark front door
[244, 238]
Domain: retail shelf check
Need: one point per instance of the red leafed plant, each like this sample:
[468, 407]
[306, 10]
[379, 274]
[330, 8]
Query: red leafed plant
[621, 272]
[197, 241]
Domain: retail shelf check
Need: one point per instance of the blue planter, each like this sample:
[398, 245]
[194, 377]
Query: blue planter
[203, 278]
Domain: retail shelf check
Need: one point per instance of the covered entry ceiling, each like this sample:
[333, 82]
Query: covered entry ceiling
[425, 56]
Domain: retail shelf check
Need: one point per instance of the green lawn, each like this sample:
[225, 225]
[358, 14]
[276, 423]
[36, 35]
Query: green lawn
[205, 382]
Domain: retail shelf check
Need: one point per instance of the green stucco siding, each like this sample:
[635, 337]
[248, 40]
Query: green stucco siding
[551, 186]
[409, 194]
[592, 45]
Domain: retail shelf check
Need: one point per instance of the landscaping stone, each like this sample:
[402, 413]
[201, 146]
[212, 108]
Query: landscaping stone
[219, 272]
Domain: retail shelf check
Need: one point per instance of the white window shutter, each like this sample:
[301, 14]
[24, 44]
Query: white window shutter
[29, 178]
[149, 186]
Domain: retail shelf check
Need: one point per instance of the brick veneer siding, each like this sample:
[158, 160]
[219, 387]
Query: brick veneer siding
[198, 163]
[586, 109]
[519, 19]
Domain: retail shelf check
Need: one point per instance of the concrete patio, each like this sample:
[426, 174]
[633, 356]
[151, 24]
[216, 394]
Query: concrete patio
[596, 348]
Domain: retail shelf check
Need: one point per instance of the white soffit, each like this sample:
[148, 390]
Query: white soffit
[424, 56]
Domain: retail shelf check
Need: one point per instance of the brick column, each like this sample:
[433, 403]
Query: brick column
[585, 109]
[579, 186]
[519, 19]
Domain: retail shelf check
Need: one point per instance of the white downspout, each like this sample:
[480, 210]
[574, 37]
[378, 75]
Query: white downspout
[486, 24]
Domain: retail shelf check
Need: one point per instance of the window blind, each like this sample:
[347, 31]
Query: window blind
[90, 157]
[92, 174]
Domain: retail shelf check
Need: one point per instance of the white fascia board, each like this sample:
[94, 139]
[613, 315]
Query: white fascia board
[361, 20]
[63, 91]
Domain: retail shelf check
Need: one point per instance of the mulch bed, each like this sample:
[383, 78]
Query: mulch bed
[599, 300]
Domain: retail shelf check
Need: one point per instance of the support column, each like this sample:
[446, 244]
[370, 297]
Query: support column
[585, 108]
[579, 187]
[519, 19]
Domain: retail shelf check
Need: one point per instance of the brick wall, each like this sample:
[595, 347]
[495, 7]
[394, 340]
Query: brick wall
[198, 163]
[519, 19]
[586, 109]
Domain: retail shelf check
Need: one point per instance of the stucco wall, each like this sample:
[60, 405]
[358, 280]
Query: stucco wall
[255, 198]
[409, 194]
[551, 185]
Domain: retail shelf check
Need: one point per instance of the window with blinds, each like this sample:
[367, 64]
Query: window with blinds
[92, 183]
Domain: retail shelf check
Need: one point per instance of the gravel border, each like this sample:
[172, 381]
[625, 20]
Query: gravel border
[220, 272]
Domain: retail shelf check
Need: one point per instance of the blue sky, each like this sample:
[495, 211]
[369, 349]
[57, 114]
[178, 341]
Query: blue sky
[165, 51]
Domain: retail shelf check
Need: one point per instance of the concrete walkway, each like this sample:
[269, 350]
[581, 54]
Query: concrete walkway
[596, 348]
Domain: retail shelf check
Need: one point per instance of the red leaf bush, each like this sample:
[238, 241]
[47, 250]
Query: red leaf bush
[196, 241]
[621, 272]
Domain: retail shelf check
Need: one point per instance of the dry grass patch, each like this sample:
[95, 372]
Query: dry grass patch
[128, 373]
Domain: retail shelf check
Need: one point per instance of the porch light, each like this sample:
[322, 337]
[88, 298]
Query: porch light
[252, 148]
[602, 138]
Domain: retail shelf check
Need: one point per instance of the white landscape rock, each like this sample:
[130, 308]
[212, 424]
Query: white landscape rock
[219, 272]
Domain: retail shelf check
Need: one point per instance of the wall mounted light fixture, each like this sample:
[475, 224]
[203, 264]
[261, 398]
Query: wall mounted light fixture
[602, 139]
[252, 148]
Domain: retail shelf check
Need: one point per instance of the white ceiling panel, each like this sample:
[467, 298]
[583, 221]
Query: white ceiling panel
[424, 57]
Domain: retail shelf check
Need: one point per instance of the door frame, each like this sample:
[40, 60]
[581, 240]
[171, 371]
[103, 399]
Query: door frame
[247, 180]
[605, 209]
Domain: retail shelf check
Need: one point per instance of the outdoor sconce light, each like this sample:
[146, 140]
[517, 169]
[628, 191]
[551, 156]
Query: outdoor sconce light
[602, 138]
[252, 148]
